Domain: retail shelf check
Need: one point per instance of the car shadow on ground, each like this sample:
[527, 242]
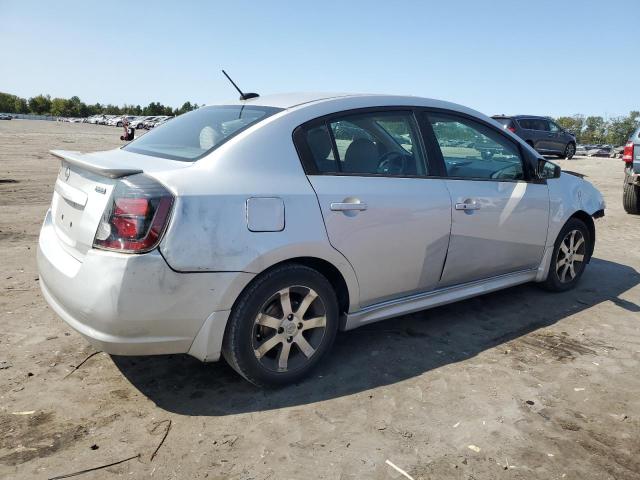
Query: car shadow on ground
[383, 353]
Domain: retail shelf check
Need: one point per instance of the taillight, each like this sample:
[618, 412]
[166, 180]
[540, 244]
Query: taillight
[627, 154]
[136, 217]
[511, 128]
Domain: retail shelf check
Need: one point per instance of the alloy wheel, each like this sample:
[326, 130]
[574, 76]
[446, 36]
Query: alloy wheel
[570, 258]
[571, 150]
[289, 328]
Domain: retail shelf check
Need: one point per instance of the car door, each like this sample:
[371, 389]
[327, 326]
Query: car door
[381, 209]
[557, 137]
[500, 213]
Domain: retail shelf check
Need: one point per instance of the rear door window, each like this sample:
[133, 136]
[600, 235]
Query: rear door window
[377, 143]
[526, 123]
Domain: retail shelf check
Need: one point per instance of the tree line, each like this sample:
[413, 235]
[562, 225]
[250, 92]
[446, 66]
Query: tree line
[596, 130]
[74, 107]
[589, 130]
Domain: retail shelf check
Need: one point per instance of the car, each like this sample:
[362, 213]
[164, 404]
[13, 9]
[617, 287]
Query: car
[116, 121]
[4, 116]
[600, 151]
[97, 119]
[158, 120]
[631, 186]
[542, 133]
[248, 230]
[150, 121]
[138, 122]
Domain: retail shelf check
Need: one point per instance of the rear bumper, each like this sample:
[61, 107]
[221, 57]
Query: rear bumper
[135, 304]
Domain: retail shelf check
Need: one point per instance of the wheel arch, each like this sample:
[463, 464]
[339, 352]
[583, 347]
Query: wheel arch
[326, 268]
[591, 226]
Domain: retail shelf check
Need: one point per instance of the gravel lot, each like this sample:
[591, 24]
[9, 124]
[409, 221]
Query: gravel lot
[516, 384]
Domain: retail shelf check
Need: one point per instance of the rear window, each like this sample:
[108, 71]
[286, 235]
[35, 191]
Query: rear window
[193, 135]
[503, 121]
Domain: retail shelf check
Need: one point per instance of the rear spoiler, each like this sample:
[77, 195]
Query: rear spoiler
[84, 161]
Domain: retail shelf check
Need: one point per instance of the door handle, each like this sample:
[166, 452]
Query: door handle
[348, 206]
[468, 205]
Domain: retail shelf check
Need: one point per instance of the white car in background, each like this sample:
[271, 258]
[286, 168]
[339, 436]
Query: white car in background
[138, 122]
[149, 121]
[159, 120]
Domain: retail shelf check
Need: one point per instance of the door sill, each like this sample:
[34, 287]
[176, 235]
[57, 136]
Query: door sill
[435, 298]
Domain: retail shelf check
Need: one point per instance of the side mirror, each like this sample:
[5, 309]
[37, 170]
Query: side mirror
[547, 169]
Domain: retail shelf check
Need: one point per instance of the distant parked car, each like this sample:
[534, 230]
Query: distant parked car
[542, 133]
[4, 116]
[617, 152]
[138, 122]
[150, 121]
[581, 150]
[159, 120]
[631, 189]
[600, 151]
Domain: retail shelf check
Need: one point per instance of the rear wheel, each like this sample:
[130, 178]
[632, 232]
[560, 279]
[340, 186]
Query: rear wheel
[281, 326]
[570, 255]
[630, 197]
[569, 151]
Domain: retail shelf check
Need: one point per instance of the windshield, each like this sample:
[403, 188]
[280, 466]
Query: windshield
[191, 136]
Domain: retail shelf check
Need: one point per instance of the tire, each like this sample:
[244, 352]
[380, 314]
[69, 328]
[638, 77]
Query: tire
[119, 124]
[630, 197]
[569, 257]
[270, 345]
[569, 150]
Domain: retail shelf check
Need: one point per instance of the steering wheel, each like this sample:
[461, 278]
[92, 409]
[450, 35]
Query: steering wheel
[510, 172]
[392, 163]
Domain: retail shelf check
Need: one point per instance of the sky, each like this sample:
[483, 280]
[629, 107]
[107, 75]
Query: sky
[543, 57]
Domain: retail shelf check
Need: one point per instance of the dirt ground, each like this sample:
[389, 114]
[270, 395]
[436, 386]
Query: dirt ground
[519, 384]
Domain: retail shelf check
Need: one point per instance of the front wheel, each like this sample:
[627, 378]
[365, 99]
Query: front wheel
[630, 196]
[281, 326]
[570, 255]
[569, 151]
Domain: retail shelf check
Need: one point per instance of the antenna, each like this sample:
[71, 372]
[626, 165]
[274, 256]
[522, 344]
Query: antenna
[243, 96]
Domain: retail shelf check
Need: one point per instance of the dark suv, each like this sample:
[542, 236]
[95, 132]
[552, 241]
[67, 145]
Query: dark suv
[543, 134]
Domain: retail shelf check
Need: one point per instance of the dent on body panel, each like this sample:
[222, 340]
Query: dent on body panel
[208, 233]
[569, 194]
[434, 258]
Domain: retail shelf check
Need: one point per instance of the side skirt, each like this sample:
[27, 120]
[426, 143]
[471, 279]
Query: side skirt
[423, 301]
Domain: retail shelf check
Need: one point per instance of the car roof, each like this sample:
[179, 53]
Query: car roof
[340, 101]
[521, 116]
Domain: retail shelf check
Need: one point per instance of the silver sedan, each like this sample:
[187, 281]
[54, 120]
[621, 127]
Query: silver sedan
[258, 228]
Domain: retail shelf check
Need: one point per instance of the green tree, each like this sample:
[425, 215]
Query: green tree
[111, 110]
[595, 130]
[40, 104]
[20, 105]
[59, 107]
[186, 107]
[620, 129]
[574, 124]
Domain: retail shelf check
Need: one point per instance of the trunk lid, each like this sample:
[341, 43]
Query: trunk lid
[83, 190]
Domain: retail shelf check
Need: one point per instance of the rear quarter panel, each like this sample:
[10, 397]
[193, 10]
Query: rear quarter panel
[209, 229]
